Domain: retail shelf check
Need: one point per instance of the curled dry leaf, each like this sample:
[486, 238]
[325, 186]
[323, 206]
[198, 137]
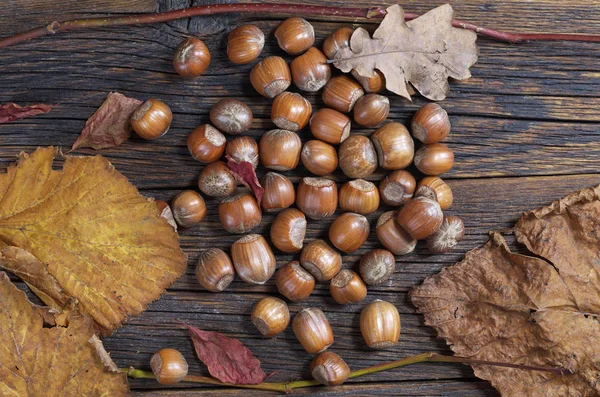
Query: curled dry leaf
[227, 359]
[245, 173]
[109, 125]
[424, 52]
[12, 111]
[45, 353]
[540, 311]
[89, 236]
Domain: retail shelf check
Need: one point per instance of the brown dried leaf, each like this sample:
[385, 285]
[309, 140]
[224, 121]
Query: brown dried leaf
[51, 360]
[244, 172]
[109, 125]
[12, 111]
[423, 52]
[227, 359]
[89, 236]
[497, 305]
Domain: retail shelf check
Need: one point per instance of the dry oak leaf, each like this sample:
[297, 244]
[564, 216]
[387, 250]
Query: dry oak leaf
[11, 111]
[44, 354]
[109, 125]
[424, 52]
[89, 236]
[540, 311]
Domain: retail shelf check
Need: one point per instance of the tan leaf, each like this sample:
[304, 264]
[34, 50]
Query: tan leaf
[497, 305]
[92, 237]
[423, 52]
[40, 359]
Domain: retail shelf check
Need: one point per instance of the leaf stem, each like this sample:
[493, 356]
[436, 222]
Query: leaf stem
[298, 384]
[293, 9]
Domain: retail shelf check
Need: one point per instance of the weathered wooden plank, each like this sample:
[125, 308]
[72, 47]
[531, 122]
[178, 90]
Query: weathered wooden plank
[17, 16]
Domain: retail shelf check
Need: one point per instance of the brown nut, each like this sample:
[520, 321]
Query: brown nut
[239, 213]
[397, 188]
[191, 57]
[295, 35]
[336, 41]
[280, 150]
[380, 324]
[216, 180]
[392, 236]
[188, 208]
[357, 157]
[373, 84]
[243, 148]
[320, 260]
[310, 71]
[270, 316]
[294, 282]
[349, 231]
[279, 192]
[435, 188]
[329, 369]
[448, 235]
[434, 159]
[270, 77]
[288, 230]
[341, 93]
[151, 119]
[420, 217]
[312, 330]
[319, 157]
[244, 44]
[371, 110]
[330, 126]
[168, 366]
[317, 197]
[430, 124]
[377, 266]
[253, 259]
[231, 116]
[347, 287]
[206, 144]
[290, 111]
[359, 196]
[214, 270]
[395, 148]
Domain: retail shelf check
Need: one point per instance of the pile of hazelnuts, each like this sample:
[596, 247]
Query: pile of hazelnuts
[391, 147]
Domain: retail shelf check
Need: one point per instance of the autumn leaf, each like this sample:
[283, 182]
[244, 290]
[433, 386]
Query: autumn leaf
[539, 310]
[227, 359]
[12, 111]
[47, 354]
[244, 172]
[423, 52]
[88, 235]
[109, 125]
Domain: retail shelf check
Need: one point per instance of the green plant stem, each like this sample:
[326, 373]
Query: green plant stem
[291, 9]
[298, 384]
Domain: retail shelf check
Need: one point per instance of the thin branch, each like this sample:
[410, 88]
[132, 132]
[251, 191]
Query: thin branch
[299, 384]
[293, 9]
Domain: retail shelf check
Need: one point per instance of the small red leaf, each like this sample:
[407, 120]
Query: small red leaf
[227, 359]
[244, 172]
[109, 125]
[12, 111]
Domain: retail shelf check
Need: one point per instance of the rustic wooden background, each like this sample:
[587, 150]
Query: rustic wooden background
[526, 131]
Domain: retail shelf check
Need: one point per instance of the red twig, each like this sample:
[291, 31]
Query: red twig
[294, 9]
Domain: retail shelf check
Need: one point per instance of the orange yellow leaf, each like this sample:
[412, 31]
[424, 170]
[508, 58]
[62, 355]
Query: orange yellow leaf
[44, 354]
[92, 237]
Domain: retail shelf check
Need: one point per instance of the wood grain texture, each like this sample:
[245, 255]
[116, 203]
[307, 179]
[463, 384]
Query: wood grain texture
[526, 131]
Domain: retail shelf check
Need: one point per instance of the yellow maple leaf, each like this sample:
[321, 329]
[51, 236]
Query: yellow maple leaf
[92, 237]
[40, 358]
